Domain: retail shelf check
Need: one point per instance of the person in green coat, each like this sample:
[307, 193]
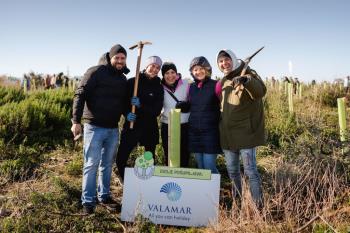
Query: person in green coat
[242, 126]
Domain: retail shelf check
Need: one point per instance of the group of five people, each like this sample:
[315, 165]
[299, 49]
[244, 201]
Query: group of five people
[215, 118]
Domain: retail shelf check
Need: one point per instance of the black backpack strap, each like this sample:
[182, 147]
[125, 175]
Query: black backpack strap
[172, 95]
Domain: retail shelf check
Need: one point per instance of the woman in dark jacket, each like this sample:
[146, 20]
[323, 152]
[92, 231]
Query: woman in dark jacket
[149, 104]
[204, 96]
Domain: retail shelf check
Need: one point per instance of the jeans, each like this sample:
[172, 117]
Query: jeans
[100, 145]
[206, 161]
[250, 170]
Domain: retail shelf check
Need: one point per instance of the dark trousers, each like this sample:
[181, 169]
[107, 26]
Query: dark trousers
[128, 141]
[184, 153]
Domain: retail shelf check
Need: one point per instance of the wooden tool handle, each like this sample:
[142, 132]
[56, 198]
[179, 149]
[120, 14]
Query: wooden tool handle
[240, 86]
[136, 84]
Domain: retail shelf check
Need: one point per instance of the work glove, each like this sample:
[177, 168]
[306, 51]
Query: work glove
[240, 80]
[135, 101]
[184, 106]
[131, 117]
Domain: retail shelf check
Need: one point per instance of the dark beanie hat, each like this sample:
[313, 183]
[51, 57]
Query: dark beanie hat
[117, 49]
[168, 66]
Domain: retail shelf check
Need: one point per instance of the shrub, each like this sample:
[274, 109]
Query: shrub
[75, 167]
[22, 167]
[10, 95]
[41, 118]
[328, 96]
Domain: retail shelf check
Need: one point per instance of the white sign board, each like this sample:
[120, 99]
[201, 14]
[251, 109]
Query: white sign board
[170, 200]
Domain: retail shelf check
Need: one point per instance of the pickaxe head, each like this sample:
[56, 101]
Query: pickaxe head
[140, 44]
[250, 58]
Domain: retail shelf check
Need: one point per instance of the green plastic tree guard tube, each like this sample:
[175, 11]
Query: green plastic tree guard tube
[174, 132]
[342, 118]
[300, 90]
[290, 97]
[25, 85]
[286, 88]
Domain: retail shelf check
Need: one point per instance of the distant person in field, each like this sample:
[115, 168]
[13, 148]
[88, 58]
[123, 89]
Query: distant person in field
[242, 126]
[175, 96]
[47, 81]
[149, 104]
[203, 132]
[273, 82]
[53, 81]
[59, 80]
[26, 82]
[296, 85]
[100, 100]
[286, 79]
[65, 81]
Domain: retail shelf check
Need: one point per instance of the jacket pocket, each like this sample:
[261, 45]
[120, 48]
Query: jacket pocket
[242, 126]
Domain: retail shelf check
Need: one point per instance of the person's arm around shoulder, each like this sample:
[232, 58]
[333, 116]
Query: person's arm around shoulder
[218, 90]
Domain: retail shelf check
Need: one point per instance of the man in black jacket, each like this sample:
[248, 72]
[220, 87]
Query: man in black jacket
[149, 104]
[100, 100]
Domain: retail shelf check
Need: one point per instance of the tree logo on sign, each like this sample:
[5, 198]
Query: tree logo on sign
[173, 191]
[144, 166]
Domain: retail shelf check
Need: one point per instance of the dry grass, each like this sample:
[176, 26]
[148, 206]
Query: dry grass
[294, 192]
[304, 188]
[298, 191]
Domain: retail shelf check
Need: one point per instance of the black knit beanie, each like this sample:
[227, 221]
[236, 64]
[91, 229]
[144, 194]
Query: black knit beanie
[117, 49]
[168, 66]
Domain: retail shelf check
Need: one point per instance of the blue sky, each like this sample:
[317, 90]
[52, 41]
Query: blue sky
[48, 36]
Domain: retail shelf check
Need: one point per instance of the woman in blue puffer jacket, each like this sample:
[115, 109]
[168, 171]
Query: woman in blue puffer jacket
[204, 96]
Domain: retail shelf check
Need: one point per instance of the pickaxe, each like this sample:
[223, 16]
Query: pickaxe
[240, 87]
[139, 45]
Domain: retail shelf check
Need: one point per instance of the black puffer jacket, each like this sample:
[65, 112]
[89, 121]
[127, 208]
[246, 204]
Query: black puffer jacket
[151, 95]
[204, 136]
[101, 96]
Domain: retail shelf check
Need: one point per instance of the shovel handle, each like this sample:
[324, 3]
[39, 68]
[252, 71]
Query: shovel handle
[139, 45]
[240, 86]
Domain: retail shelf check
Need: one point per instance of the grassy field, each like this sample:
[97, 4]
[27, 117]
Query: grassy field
[305, 169]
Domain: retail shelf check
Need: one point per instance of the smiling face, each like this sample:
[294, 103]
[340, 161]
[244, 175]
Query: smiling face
[170, 77]
[152, 70]
[118, 61]
[199, 72]
[225, 64]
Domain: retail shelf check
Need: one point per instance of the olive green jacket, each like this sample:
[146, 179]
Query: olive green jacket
[242, 123]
